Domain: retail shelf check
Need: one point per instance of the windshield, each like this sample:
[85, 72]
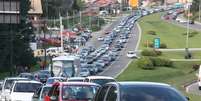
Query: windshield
[133, 93]
[26, 87]
[64, 68]
[81, 92]
[102, 81]
[8, 84]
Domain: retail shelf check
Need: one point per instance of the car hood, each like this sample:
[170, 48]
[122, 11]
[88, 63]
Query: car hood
[22, 96]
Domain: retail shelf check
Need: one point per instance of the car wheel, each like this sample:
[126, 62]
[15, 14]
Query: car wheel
[199, 87]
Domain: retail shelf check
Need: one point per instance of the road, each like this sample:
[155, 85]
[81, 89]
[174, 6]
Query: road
[122, 62]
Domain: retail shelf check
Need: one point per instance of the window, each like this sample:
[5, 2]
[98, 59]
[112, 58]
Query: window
[101, 93]
[112, 94]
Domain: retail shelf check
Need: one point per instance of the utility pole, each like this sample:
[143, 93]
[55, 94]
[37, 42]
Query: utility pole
[80, 17]
[61, 31]
[199, 10]
[11, 50]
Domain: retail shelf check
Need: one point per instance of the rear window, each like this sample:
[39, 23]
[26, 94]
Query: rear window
[149, 93]
[26, 87]
[102, 81]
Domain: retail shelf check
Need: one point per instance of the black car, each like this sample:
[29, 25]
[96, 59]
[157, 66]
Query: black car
[42, 75]
[138, 91]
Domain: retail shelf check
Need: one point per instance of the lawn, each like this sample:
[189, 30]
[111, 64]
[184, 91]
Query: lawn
[176, 76]
[170, 34]
[180, 55]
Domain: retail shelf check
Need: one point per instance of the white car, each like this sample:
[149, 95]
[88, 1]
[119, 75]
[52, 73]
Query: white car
[199, 78]
[23, 90]
[7, 85]
[181, 20]
[100, 38]
[131, 54]
[84, 72]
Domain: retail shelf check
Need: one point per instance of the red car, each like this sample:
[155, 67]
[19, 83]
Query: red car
[72, 91]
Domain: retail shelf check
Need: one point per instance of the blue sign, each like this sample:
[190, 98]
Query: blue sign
[157, 43]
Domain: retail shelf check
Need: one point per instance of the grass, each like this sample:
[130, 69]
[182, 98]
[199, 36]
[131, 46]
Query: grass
[180, 55]
[176, 76]
[169, 33]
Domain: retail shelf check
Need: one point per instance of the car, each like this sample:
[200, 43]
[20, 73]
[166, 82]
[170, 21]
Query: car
[42, 76]
[51, 80]
[72, 91]
[76, 79]
[7, 85]
[27, 75]
[41, 93]
[84, 72]
[132, 54]
[23, 90]
[101, 80]
[138, 91]
[100, 38]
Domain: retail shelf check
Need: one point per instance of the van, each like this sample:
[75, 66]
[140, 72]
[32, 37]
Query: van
[53, 51]
[199, 78]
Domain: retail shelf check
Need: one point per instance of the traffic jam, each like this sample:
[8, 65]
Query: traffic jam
[76, 77]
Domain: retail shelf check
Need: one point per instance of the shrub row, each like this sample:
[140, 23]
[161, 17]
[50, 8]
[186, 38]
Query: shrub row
[149, 63]
[151, 45]
[148, 52]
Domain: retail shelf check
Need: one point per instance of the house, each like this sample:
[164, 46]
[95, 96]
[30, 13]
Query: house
[10, 10]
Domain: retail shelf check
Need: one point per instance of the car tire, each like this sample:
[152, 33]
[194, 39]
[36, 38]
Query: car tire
[199, 87]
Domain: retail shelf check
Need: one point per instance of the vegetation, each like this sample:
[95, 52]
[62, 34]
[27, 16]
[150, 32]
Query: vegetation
[170, 34]
[177, 76]
[150, 52]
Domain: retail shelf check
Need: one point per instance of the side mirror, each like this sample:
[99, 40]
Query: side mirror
[187, 98]
[53, 98]
[35, 96]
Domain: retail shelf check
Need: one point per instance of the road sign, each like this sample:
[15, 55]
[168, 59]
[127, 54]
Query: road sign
[157, 43]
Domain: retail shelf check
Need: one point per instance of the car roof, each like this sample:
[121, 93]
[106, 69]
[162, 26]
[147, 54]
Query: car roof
[56, 78]
[14, 78]
[76, 83]
[99, 77]
[30, 81]
[139, 83]
[75, 78]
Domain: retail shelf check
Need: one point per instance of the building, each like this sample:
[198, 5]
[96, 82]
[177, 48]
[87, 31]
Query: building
[10, 10]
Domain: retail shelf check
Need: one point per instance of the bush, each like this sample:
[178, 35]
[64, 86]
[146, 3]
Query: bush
[151, 53]
[151, 32]
[163, 45]
[145, 63]
[161, 62]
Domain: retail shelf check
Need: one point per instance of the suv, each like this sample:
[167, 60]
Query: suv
[23, 90]
[7, 85]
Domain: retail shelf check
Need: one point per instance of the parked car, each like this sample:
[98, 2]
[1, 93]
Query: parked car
[72, 91]
[100, 38]
[27, 75]
[42, 76]
[23, 90]
[199, 78]
[41, 93]
[138, 91]
[101, 80]
[132, 54]
[76, 79]
[51, 80]
[7, 85]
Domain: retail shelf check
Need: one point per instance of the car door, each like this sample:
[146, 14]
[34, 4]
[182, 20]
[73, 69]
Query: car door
[112, 94]
[36, 95]
[101, 93]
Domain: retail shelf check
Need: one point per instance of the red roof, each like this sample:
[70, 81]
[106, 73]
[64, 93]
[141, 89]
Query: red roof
[102, 3]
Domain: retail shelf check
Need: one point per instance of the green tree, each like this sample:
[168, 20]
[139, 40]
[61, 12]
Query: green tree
[195, 5]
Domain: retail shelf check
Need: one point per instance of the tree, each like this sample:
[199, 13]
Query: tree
[195, 6]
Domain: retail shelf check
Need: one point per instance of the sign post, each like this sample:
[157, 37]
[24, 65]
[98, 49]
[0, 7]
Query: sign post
[157, 43]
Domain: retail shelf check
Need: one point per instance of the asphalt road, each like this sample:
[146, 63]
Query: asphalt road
[122, 62]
